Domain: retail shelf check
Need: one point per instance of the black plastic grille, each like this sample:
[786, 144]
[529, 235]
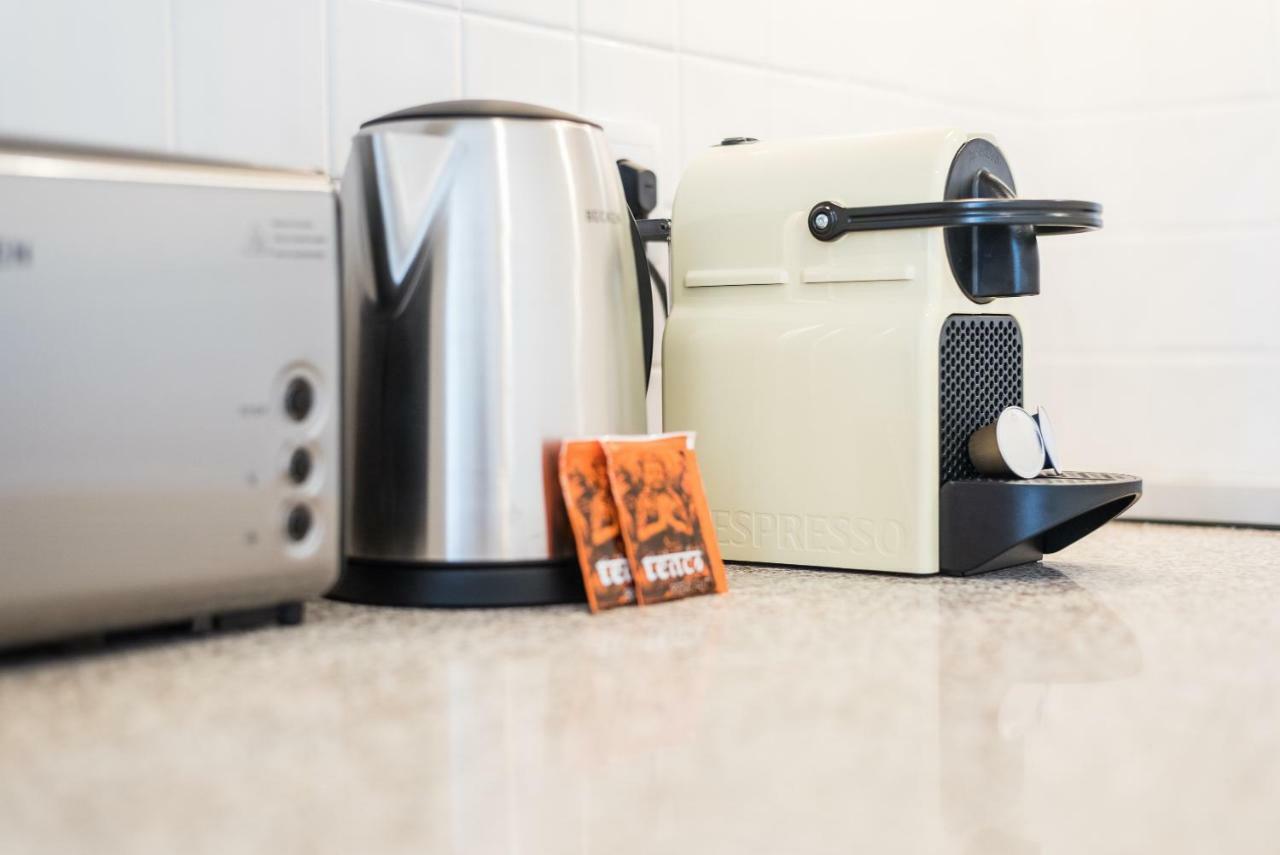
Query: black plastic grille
[979, 374]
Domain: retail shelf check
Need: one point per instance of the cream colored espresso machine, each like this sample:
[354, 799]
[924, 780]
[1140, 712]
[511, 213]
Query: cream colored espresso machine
[843, 321]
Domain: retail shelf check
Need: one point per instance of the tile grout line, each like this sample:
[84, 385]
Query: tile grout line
[679, 142]
[459, 61]
[171, 75]
[1137, 111]
[577, 56]
[327, 70]
[1204, 357]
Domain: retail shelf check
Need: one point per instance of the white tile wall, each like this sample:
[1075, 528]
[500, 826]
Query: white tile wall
[249, 79]
[1185, 167]
[519, 62]
[726, 29]
[1154, 52]
[720, 99]
[552, 13]
[88, 71]
[1153, 343]
[386, 56]
[1157, 339]
[625, 83]
[288, 81]
[647, 22]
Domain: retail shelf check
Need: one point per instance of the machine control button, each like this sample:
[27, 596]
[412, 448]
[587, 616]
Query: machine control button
[299, 398]
[300, 465]
[298, 524]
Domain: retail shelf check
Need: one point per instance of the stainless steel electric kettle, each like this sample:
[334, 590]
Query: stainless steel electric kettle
[496, 300]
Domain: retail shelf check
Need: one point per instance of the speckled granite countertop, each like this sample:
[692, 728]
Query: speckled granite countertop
[1122, 697]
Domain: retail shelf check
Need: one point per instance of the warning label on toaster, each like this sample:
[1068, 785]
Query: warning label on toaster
[287, 238]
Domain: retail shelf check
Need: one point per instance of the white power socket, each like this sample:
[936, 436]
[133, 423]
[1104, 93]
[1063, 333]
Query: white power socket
[638, 141]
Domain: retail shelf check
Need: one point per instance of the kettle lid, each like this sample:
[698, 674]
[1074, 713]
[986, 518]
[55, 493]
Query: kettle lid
[478, 109]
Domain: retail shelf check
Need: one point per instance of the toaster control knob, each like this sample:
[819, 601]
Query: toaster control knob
[298, 524]
[738, 140]
[299, 398]
[300, 466]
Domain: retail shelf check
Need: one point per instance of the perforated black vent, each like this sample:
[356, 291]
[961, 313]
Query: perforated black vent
[979, 374]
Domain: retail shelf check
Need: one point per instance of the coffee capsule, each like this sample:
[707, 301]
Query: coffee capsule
[1009, 447]
[1050, 442]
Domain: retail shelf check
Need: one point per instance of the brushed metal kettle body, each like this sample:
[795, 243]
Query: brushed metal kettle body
[490, 310]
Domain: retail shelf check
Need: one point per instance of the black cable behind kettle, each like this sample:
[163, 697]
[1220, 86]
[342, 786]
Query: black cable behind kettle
[640, 186]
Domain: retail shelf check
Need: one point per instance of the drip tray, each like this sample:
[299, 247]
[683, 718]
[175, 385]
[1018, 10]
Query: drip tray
[987, 524]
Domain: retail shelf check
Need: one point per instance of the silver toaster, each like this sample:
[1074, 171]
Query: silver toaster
[169, 408]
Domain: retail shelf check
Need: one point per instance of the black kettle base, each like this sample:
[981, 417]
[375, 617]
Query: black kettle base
[458, 585]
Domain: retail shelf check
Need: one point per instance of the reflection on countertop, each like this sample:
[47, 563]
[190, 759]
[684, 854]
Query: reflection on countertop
[997, 668]
[1122, 697]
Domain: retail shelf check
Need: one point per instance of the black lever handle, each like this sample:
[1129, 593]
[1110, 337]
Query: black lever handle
[827, 220]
